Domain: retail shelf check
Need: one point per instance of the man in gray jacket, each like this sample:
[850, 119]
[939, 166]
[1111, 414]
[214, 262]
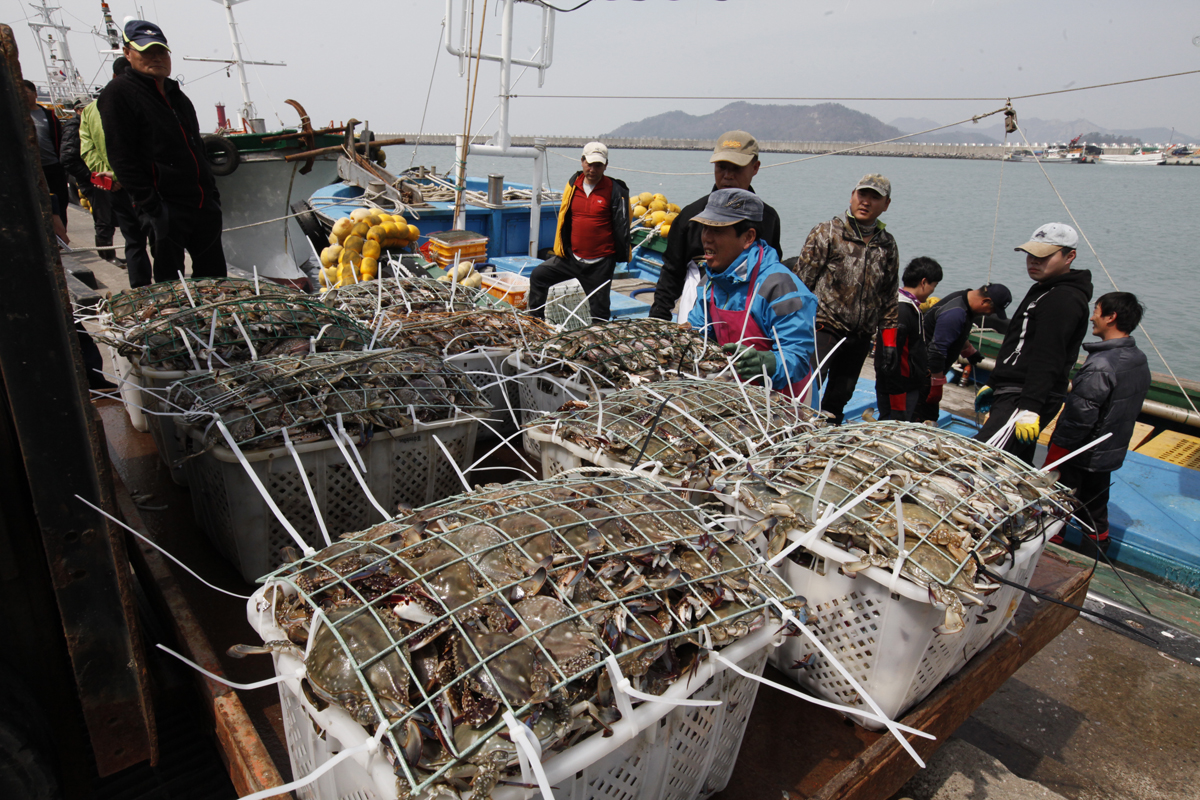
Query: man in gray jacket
[1106, 396]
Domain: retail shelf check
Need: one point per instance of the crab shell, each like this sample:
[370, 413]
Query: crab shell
[333, 669]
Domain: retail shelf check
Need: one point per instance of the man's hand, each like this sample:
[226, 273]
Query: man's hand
[749, 362]
[936, 382]
[975, 358]
[983, 400]
[1028, 427]
[887, 358]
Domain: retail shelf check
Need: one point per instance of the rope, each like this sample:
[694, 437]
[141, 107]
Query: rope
[428, 93]
[856, 99]
[1107, 274]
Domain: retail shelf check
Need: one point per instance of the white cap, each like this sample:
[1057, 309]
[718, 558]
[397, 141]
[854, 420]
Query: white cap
[595, 152]
[1049, 239]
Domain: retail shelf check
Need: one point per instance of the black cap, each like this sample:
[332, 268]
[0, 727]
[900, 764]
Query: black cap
[140, 34]
[1000, 296]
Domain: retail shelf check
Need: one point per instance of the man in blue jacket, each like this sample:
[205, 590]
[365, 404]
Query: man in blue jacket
[753, 306]
[1106, 396]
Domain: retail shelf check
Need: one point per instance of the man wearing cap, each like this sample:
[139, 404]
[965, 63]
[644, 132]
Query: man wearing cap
[592, 236]
[1029, 381]
[947, 327]
[154, 146]
[753, 306]
[735, 163]
[852, 265]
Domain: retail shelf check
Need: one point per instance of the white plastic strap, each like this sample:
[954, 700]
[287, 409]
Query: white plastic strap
[312, 498]
[1072, 454]
[529, 752]
[893, 727]
[1000, 437]
[256, 289]
[816, 508]
[188, 345]
[186, 290]
[341, 426]
[817, 371]
[370, 745]
[237, 321]
[158, 547]
[354, 470]
[312, 345]
[623, 690]
[903, 554]
[212, 337]
[321, 332]
[825, 522]
[287, 526]
[453, 464]
[299, 673]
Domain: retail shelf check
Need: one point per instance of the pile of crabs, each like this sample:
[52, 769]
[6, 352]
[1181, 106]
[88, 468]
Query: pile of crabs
[511, 599]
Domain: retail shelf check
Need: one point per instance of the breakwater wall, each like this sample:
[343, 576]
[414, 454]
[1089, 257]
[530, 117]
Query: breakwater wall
[894, 149]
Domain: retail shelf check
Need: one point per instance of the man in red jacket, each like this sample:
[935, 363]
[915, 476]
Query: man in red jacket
[154, 146]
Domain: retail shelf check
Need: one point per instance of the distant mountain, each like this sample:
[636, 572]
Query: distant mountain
[966, 133]
[827, 122]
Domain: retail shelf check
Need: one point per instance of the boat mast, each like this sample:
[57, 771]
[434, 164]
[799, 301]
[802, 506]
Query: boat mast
[63, 82]
[501, 143]
[247, 115]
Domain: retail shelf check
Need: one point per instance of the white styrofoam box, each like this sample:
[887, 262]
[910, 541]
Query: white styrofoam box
[485, 367]
[403, 466]
[539, 392]
[663, 752]
[886, 639]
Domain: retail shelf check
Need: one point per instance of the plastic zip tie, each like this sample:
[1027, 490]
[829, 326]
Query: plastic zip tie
[256, 288]
[209, 352]
[350, 441]
[623, 690]
[893, 727]
[237, 321]
[816, 372]
[1071, 455]
[1000, 437]
[825, 522]
[903, 554]
[159, 548]
[816, 506]
[312, 498]
[186, 290]
[212, 336]
[370, 745]
[188, 345]
[321, 333]
[700, 424]
[287, 526]
[299, 673]
[354, 470]
[453, 465]
[745, 396]
[529, 752]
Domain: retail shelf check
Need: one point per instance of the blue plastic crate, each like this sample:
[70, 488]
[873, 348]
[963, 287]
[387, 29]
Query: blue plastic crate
[624, 307]
[521, 265]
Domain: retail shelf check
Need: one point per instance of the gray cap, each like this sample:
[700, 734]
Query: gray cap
[736, 147]
[1049, 239]
[729, 207]
[876, 182]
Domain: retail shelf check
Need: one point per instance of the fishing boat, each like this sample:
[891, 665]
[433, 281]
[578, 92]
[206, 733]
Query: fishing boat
[1140, 156]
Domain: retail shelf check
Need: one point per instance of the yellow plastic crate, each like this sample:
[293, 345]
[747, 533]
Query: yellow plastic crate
[468, 246]
[1174, 448]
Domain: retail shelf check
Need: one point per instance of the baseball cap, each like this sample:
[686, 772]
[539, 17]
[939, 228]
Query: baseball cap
[730, 206]
[1049, 239]
[736, 147]
[594, 152]
[1000, 296]
[876, 182]
[140, 34]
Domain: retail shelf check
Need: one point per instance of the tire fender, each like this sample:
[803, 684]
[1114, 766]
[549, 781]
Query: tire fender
[221, 154]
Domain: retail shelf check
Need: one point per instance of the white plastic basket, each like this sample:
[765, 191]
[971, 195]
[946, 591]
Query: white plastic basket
[567, 305]
[130, 382]
[169, 438]
[485, 368]
[885, 640]
[403, 466]
[539, 392]
[663, 752]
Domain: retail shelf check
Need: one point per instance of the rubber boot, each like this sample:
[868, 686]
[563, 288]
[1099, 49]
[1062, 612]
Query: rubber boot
[109, 255]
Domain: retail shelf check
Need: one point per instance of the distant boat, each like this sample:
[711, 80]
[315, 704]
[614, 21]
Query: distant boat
[1138, 156]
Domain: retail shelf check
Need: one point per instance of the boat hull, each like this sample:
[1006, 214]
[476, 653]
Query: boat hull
[1141, 158]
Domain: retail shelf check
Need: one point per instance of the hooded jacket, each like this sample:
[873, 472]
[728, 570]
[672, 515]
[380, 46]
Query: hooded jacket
[1043, 339]
[856, 282]
[683, 247]
[782, 307]
[153, 142]
[620, 219]
[1106, 396]
[912, 367]
[69, 156]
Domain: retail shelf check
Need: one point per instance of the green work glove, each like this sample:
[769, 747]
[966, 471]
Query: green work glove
[749, 362]
[983, 400]
[1029, 425]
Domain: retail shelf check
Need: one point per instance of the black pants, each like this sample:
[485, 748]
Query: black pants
[1092, 489]
[925, 410]
[196, 231]
[885, 408]
[840, 373]
[56, 180]
[137, 257]
[103, 218]
[592, 277]
[1003, 407]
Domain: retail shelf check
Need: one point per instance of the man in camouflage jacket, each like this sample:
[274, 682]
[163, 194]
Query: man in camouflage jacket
[852, 265]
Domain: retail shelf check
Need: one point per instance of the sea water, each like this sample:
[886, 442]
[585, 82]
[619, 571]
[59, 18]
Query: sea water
[967, 214]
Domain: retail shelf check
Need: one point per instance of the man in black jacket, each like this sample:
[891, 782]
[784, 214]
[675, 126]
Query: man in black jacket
[154, 145]
[735, 163]
[1106, 397]
[1030, 379]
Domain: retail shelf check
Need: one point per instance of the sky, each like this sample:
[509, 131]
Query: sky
[380, 61]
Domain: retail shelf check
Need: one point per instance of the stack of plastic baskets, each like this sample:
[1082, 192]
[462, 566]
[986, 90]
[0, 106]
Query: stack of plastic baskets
[539, 393]
[444, 246]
